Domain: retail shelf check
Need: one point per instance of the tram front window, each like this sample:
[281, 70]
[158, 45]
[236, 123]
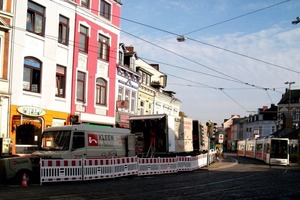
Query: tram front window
[279, 149]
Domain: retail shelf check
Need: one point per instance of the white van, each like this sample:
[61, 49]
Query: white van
[85, 141]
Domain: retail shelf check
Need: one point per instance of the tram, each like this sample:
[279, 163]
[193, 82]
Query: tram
[273, 151]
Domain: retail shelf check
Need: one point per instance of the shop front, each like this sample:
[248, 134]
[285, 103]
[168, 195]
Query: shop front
[27, 124]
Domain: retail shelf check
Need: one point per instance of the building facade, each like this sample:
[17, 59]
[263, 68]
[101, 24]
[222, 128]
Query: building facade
[42, 52]
[96, 41]
[6, 20]
[128, 82]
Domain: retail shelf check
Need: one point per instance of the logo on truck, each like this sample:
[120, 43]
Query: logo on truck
[93, 140]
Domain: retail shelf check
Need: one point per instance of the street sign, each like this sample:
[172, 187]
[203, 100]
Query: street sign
[221, 138]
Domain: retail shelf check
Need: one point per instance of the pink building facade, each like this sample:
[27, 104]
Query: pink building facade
[96, 40]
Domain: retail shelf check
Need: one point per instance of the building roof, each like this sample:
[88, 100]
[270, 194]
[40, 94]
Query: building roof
[295, 95]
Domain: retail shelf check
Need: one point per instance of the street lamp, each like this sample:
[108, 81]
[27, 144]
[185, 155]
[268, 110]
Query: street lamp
[296, 21]
[289, 83]
[181, 38]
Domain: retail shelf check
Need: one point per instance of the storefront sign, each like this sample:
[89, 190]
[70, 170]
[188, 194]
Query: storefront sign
[31, 111]
[122, 104]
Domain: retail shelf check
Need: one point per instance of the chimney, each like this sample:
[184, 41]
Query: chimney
[264, 108]
[130, 49]
[155, 66]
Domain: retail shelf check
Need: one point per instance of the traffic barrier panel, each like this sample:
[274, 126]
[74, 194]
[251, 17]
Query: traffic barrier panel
[60, 170]
[98, 169]
[148, 166]
[168, 165]
[202, 160]
[125, 166]
[184, 163]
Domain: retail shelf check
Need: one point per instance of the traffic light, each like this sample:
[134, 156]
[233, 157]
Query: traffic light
[202, 135]
[215, 130]
[210, 128]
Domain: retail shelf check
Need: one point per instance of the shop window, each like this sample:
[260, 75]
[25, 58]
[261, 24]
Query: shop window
[32, 75]
[35, 21]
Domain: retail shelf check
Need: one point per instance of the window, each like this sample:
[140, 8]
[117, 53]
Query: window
[121, 58]
[101, 88]
[1, 56]
[105, 9]
[32, 75]
[81, 87]
[60, 81]
[83, 43]
[85, 3]
[78, 140]
[146, 78]
[1, 4]
[63, 30]
[35, 18]
[133, 101]
[103, 48]
[142, 107]
[120, 93]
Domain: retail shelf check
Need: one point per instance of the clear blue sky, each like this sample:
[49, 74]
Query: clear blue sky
[237, 56]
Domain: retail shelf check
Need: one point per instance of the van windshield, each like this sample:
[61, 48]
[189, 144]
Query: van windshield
[55, 140]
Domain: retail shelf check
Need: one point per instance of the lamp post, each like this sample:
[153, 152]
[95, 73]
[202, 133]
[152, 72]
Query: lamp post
[289, 101]
[296, 21]
[181, 38]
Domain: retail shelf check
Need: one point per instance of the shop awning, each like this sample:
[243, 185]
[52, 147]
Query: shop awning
[140, 117]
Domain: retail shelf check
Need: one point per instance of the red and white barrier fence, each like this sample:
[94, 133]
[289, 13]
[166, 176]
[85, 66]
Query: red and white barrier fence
[91, 169]
[151, 166]
[60, 170]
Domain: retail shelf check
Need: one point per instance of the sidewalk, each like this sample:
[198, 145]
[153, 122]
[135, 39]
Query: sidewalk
[228, 161]
[224, 162]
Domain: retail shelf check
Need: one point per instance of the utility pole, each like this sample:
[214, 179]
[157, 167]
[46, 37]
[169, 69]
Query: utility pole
[289, 100]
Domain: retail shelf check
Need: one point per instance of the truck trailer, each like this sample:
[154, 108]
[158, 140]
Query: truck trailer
[161, 135]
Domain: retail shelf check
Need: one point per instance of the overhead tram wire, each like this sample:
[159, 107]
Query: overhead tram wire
[269, 95]
[222, 89]
[237, 17]
[193, 61]
[191, 70]
[217, 47]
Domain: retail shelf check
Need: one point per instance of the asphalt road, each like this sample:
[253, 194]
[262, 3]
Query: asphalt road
[232, 178]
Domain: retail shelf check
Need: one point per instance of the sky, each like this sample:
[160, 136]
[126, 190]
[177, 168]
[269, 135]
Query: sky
[237, 56]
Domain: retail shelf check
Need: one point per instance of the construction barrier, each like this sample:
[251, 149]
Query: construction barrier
[60, 170]
[98, 169]
[92, 169]
[151, 166]
[125, 166]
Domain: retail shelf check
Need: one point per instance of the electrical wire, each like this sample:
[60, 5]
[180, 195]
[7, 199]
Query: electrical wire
[237, 17]
[222, 48]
